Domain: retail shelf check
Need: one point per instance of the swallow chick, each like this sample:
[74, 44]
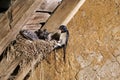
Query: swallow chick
[48, 36]
[42, 34]
[29, 35]
[63, 40]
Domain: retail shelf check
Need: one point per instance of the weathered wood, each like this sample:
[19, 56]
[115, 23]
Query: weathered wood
[48, 5]
[23, 6]
[63, 14]
[22, 74]
[4, 27]
[22, 10]
[32, 27]
[4, 65]
[10, 69]
[5, 40]
[38, 17]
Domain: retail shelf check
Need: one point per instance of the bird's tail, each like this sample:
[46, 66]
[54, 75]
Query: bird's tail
[64, 53]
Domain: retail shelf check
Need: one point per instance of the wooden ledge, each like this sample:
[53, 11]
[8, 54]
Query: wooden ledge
[63, 14]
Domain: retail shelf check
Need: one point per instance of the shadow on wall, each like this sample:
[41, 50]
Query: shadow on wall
[4, 5]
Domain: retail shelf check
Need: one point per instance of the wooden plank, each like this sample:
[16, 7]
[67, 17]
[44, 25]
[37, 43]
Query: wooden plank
[4, 18]
[15, 30]
[4, 65]
[22, 10]
[48, 5]
[14, 5]
[4, 30]
[26, 70]
[4, 22]
[10, 68]
[38, 17]
[63, 14]
[32, 27]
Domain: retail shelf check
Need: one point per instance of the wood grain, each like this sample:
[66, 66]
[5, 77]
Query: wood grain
[37, 18]
[48, 5]
[5, 39]
[63, 14]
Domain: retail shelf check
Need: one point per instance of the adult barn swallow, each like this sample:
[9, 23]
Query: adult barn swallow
[63, 40]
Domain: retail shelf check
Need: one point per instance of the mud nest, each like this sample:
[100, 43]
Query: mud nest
[28, 50]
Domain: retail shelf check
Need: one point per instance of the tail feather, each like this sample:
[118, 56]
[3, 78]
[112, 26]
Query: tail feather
[64, 53]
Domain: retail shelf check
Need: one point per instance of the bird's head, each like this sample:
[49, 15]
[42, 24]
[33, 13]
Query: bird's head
[63, 28]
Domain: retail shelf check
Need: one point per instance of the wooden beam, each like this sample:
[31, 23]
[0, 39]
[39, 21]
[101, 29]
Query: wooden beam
[22, 74]
[38, 17]
[18, 8]
[10, 69]
[11, 35]
[63, 14]
[32, 27]
[48, 5]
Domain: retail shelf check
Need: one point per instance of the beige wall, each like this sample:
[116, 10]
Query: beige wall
[93, 52]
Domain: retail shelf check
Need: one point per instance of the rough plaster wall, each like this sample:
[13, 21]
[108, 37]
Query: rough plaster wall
[93, 51]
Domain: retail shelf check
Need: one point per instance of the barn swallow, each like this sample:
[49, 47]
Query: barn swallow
[63, 40]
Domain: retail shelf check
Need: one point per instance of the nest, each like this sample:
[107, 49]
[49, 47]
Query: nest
[23, 53]
[29, 50]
